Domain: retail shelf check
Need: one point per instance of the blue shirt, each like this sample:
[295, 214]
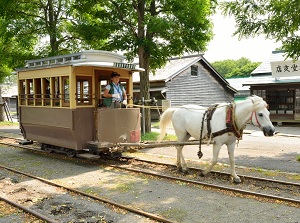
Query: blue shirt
[117, 90]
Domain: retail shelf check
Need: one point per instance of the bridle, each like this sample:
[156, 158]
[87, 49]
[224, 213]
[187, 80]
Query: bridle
[255, 115]
[256, 119]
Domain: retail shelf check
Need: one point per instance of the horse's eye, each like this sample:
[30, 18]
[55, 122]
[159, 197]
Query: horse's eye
[260, 114]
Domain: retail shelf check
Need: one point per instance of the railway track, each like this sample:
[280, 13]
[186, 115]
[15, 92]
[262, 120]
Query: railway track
[269, 190]
[32, 216]
[73, 192]
[257, 187]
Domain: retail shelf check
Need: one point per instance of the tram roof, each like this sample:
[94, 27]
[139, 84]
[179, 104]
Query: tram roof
[96, 58]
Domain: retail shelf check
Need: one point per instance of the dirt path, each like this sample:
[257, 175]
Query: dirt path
[172, 200]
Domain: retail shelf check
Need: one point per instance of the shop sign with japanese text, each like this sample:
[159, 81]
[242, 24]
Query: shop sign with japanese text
[286, 68]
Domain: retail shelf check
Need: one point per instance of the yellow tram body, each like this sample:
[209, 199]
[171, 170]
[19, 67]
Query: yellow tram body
[60, 100]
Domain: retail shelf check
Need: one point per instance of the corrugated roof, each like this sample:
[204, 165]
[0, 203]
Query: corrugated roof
[238, 83]
[172, 68]
[178, 64]
[270, 80]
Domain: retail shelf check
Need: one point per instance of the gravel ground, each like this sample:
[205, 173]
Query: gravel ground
[279, 152]
[172, 200]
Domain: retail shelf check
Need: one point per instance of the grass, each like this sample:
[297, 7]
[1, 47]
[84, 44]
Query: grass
[7, 123]
[152, 136]
[175, 213]
[298, 158]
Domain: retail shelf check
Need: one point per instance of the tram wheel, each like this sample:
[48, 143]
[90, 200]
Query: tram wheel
[71, 153]
[46, 148]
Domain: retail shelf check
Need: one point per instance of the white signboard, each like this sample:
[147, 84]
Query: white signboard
[286, 68]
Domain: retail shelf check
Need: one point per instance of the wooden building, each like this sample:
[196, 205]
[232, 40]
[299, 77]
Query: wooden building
[277, 80]
[187, 80]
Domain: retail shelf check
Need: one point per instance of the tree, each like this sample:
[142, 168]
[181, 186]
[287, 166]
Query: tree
[277, 19]
[153, 30]
[235, 68]
[12, 55]
[25, 27]
[43, 24]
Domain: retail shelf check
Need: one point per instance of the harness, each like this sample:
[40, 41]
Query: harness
[231, 125]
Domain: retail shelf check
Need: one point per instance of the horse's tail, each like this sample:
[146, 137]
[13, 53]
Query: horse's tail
[165, 119]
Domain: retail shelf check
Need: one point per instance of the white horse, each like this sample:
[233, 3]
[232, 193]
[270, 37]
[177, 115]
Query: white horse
[187, 121]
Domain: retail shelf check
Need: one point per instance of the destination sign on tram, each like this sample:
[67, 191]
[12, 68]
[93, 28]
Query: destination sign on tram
[124, 65]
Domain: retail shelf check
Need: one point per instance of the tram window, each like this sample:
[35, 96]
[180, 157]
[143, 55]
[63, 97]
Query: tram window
[46, 91]
[56, 92]
[37, 92]
[29, 91]
[66, 91]
[22, 94]
[84, 90]
[103, 84]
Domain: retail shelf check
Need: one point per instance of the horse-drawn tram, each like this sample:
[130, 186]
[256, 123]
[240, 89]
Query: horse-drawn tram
[61, 103]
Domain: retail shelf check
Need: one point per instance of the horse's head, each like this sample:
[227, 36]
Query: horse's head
[261, 116]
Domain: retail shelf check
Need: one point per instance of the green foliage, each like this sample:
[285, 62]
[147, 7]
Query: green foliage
[153, 30]
[276, 19]
[41, 27]
[235, 68]
[159, 29]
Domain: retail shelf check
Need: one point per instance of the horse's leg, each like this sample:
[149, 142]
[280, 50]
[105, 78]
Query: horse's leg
[179, 157]
[181, 164]
[216, 151]
[230, 149]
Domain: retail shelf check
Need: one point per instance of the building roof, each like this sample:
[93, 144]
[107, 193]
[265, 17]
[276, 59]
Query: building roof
[255, 81]
[262, 75]
[176, 65]
[238, 83]
[265, 67]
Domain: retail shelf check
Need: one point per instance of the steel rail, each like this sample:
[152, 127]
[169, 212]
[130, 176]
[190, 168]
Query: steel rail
[28, 210]
[294, 201]
[192, 168]
[226, 174]
[240, 191]
[104, 200]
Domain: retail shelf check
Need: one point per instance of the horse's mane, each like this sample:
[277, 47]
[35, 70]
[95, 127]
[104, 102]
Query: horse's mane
[257, 101]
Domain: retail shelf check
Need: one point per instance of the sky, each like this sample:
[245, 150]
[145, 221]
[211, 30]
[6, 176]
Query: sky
[226, 46]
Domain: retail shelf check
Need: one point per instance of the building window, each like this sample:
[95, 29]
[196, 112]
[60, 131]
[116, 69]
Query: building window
[194, 70]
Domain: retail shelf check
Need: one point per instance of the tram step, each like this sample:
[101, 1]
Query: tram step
[25, 142]
[88, 156]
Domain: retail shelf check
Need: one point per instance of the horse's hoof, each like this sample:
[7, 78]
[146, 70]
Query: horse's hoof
[184, 171]
[237, 180]
[202, 174]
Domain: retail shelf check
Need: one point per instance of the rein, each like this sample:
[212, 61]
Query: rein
[231, 125]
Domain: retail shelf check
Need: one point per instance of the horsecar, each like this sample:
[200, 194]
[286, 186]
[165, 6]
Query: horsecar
[60, 103]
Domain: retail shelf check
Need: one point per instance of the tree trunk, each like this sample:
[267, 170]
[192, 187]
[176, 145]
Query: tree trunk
[51, 27]
[145, 85]
[2, 116]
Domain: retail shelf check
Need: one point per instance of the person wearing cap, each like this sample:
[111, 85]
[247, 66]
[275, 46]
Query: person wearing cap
[114, 93]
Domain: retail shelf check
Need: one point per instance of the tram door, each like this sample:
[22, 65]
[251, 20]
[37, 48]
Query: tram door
[103, 78]
[297, 104]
